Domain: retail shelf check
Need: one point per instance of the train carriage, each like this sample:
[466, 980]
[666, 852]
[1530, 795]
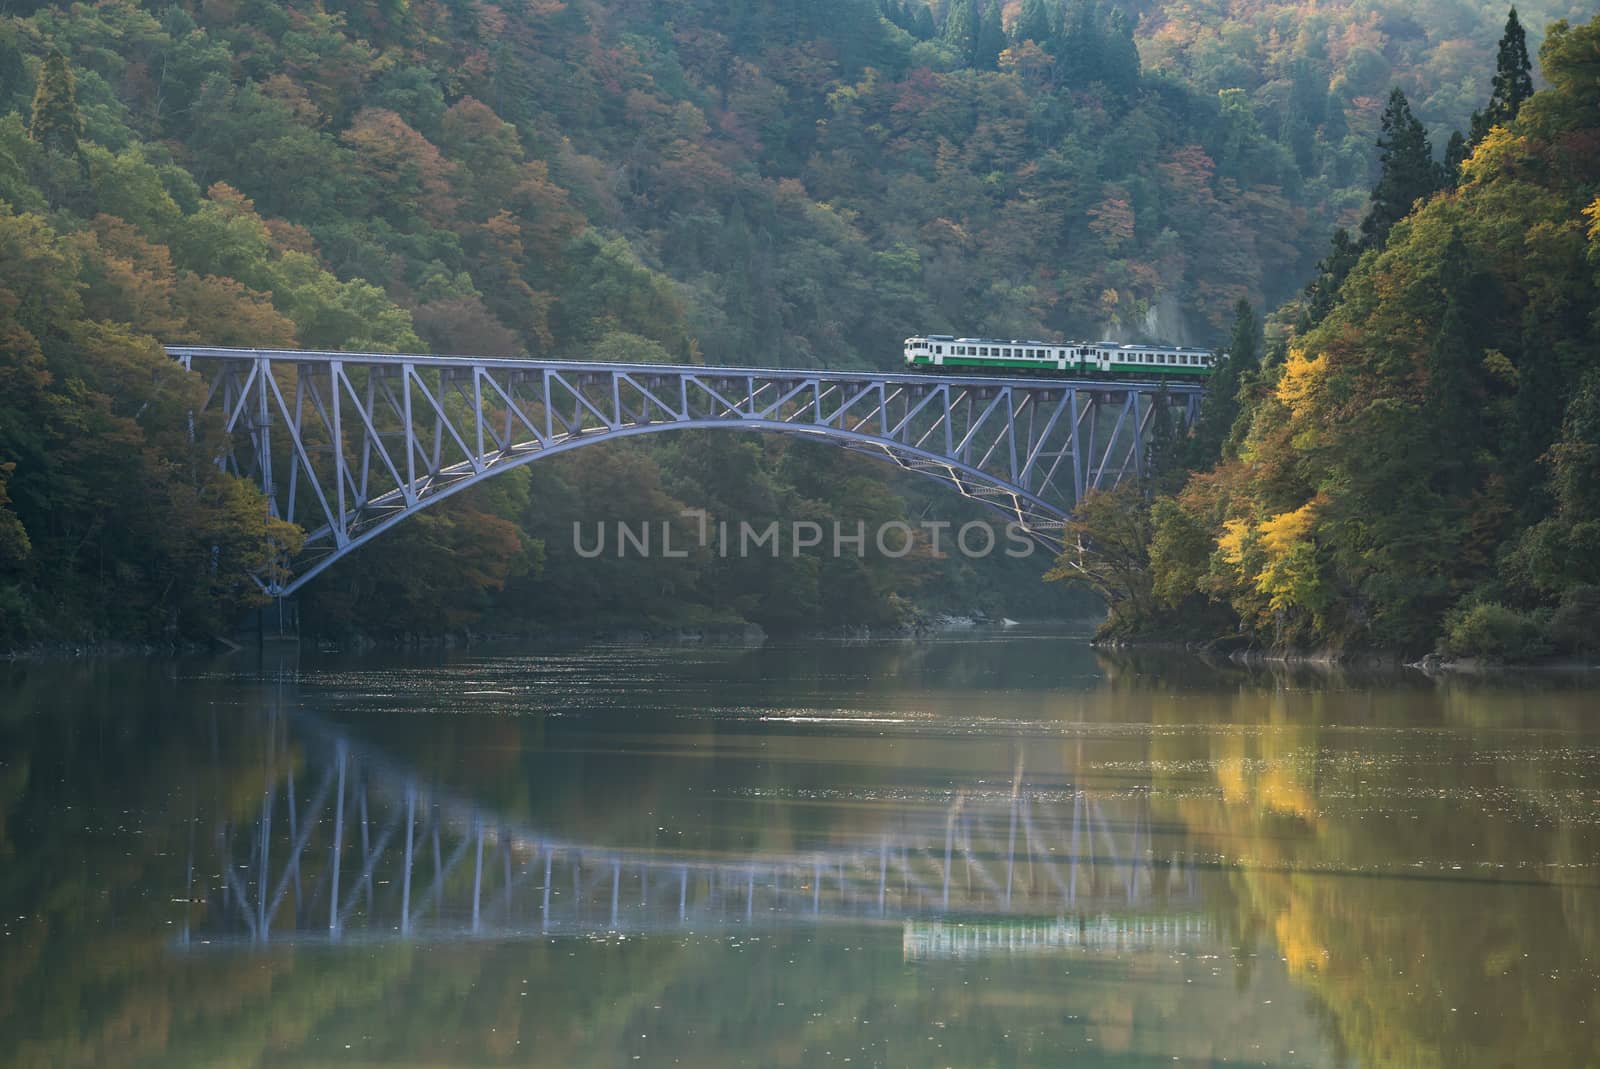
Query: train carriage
[1027, 356]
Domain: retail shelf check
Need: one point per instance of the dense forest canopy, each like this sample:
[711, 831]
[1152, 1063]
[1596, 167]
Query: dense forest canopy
[764, 183]
[1417, 464]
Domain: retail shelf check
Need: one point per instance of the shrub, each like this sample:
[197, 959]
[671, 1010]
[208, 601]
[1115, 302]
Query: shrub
[1492, 632]
[1575, 627]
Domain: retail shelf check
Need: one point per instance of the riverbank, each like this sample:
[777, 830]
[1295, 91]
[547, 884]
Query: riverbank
[1240, 652]
[717, 632]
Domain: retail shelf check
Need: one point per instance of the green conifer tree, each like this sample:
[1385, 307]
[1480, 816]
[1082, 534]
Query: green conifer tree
[1120, 63]
[13, 73]
[1408, 174]
[56, 123]
[1455, 414]
[1220, 407]
[1164, 456]
[1033, 23]
[991, 39]
[1079, 49]
[960, 32]
[1513, 80]
[1455, 154]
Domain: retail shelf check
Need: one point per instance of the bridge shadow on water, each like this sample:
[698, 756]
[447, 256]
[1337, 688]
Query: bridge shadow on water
[345, 844]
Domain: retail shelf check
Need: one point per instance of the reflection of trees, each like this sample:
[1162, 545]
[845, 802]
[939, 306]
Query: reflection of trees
[1336, 835]
[1360, 847]
[102, 823]
[122, 776]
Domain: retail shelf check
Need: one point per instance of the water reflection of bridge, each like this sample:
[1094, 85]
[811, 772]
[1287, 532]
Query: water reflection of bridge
[347, 845]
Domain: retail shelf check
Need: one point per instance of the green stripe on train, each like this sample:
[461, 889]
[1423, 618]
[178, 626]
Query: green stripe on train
[1048, 365]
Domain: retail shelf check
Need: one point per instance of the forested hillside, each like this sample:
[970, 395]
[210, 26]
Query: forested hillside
[774, 183]
[1418, 465]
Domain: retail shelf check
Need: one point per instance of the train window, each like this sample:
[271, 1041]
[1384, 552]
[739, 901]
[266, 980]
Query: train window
[939, 349]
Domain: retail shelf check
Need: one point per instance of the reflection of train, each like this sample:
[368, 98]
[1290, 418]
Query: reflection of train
[1072, 358]
[924, 939]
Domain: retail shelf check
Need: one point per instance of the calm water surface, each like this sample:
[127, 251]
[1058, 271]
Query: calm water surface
[990, 850]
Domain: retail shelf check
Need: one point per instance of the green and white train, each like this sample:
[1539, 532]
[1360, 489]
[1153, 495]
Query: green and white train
[1013, 356]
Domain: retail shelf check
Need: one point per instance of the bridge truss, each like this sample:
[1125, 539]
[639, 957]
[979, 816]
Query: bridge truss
[349, 444]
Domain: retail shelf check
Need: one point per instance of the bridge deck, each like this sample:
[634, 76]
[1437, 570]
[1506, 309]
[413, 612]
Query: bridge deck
[189, 353]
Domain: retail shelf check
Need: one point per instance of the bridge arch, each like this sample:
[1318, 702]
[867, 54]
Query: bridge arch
[371, 439]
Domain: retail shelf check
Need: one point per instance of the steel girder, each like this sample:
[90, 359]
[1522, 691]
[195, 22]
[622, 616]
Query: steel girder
[349, 444]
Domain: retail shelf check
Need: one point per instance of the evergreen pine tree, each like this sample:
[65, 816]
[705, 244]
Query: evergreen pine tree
[1033, 23]
[1408, 174]
[1323, 290]
[1536, 415]
[1120, 65]
[13, 73]
[1455, 154]
[1244, 343]
[1078, 48]
[56, 123]
[1513, 80]
[1219, 409]
[960, 32]
[1163, 465]
[991, 38]
[1454, 414]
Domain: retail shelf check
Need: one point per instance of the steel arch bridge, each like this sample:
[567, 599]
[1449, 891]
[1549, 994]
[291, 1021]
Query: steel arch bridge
[349, 444]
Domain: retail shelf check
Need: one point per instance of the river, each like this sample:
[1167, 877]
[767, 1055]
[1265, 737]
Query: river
[990, 849]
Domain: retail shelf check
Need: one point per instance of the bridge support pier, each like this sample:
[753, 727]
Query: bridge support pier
[276, 621]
